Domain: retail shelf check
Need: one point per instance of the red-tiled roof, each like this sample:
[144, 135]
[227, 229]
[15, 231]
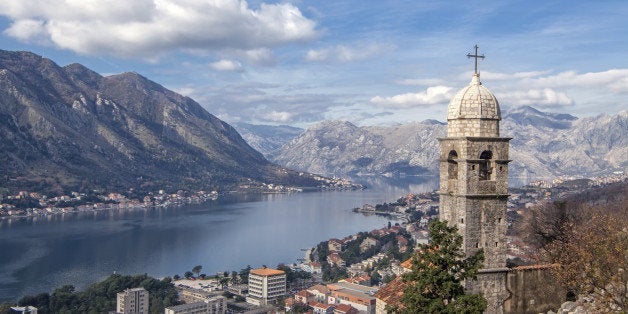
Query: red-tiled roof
[267, 272]
[392, 293]
[345, 309]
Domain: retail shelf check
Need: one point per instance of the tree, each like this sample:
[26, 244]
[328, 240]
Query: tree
[586, 235]
[188, 274]
[438, 269]
[234, 278]
[593, 260]
[197, 269]
[244, 274]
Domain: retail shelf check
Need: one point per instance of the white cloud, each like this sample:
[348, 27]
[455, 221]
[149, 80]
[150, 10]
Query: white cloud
[546, 97]
[227, 65]
[615, 79]
[278, 116]
[433, 95]
[152, 27]
[263, 56]
[342, 53]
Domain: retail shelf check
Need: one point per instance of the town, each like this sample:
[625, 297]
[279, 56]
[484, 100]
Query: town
[348, 275]
[35, 204]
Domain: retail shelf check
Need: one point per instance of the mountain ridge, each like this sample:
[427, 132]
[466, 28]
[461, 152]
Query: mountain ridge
[544, 145]
[71, 128]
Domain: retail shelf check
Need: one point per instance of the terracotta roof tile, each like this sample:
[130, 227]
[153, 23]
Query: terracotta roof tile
[267, 272]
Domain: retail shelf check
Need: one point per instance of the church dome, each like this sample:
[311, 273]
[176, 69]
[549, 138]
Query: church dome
[474, 102]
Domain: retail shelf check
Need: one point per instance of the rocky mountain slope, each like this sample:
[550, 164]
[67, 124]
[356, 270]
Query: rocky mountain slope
[544, 145]
[68, 127]
[267, 138]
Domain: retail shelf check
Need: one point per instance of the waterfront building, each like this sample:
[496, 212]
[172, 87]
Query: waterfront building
[266, 285]
[131, 301]
[213, 305]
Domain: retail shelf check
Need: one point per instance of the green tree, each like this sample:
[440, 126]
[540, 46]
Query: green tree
[438, 271]
[244, 274]
[197, 269]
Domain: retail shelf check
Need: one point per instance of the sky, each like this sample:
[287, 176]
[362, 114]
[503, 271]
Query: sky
[368, 62]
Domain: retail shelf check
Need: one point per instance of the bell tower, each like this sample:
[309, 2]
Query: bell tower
[474, 182]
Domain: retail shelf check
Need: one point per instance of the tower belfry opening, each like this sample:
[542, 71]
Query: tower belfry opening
[473, 195]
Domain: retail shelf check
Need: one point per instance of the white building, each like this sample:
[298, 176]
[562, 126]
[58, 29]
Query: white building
[132, 301]
[214, 305]
[266, 284]
[24, 309]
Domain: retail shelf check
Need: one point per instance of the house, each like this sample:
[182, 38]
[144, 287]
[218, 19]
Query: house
[335, 259]
[320, 292]
[304, 296]
[321, 308]
[364, 280]
[289, 304]
[358, 296]
[390, 295]
[335, 245]
[402, 243]
[345, 309]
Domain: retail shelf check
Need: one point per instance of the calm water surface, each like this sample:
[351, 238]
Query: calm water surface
[38, 255]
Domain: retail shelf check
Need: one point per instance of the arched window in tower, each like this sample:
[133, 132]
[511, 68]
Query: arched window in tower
[452, 165]
[485, 165]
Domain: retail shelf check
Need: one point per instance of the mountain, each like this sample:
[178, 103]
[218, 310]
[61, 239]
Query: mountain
[267, 138]
[65, 128]
[527, 115]
[544, 145]
[338, 147]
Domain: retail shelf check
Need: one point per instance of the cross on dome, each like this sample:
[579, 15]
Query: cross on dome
[476, 56]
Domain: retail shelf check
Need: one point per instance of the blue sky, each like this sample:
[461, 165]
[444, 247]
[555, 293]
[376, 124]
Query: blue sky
[368, 62]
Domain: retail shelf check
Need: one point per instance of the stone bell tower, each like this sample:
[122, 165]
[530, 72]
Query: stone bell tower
[474, 183]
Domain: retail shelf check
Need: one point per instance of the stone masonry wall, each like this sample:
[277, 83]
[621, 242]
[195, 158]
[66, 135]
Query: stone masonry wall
[533, 290]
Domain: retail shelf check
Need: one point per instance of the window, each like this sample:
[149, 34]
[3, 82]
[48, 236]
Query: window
[452, 165]
[485, 165]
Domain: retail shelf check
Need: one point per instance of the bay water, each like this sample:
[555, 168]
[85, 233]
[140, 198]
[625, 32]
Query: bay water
[40, 254]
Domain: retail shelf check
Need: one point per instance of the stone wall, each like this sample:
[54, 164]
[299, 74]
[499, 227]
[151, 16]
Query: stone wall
[533, 290]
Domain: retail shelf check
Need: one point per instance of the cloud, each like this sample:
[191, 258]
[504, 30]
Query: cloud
[342, 53]
[615, 79]
[278, 116]
[546, 97]
[153, 27]
[227, 65]
[433, 95]
[261, 56]
[262, 103]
